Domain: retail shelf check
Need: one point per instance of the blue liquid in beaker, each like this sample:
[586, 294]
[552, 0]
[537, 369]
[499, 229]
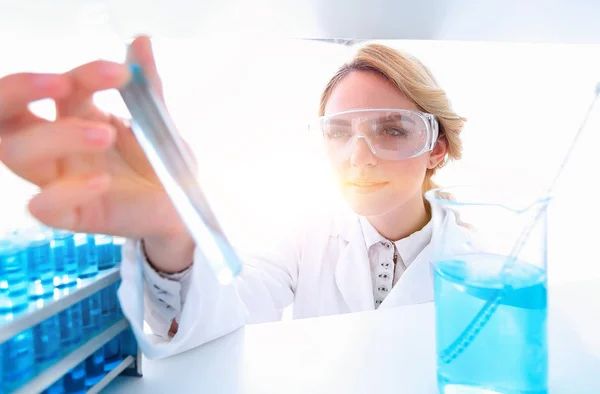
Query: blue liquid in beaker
[515, 334]
[13, 277]
[87, 256]
[65, 258]
[71, 327]
[47, 341]
[105, 251]
[19, 359]
[74, 380]
[94, 368]
[112, 354]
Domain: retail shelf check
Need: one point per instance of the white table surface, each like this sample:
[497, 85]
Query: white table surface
[385, 351]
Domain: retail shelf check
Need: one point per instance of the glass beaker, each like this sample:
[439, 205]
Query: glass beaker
[490, 306]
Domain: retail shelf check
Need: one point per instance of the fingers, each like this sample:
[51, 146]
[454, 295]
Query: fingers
[18, 90]
[140, 52]
[87, 80]
[49, 141]
[59, 204]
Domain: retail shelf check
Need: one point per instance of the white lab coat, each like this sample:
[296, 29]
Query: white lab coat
[323, 270]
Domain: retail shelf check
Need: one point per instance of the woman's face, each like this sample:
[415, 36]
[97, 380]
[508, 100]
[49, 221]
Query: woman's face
[372, 186]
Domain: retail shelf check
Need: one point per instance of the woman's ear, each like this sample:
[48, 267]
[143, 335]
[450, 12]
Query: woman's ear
[438, 152]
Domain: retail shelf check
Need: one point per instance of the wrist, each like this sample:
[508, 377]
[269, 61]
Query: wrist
[170, 253]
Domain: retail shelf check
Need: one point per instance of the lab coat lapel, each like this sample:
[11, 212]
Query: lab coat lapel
[353, 271]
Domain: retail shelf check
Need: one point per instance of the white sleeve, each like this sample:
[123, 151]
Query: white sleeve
[204, 309]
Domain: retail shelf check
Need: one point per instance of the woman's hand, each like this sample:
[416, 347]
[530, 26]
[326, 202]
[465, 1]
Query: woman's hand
[93, 175]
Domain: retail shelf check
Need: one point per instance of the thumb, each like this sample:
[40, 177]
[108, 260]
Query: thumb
[140, 52]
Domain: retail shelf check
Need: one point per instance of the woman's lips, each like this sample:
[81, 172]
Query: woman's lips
[366, 187]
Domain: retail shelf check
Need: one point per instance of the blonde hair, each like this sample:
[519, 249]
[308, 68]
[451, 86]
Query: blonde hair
[416, 82]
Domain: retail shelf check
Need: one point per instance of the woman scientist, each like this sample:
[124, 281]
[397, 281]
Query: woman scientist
[387, 127]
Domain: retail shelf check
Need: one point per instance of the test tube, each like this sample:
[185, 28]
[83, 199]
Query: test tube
[94, 367]
[65, 258]
[13, 276]
[46, 336]
[106, 254]
[71, 327]
[74, 380]
[112, 354]
[118, 249]
[40, 265]
[19, 359]
[87, 256]
[91, 313]
[109, 305]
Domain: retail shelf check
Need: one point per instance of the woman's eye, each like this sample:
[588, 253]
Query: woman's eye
[337, 134]
[395, 132]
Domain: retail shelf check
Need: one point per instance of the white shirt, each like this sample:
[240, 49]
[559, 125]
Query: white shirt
[390, 259]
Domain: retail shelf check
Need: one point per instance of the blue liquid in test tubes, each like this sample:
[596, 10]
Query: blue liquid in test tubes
[13, 277]
[47, 341]
[112, 354]
[71, 327]
[56, 388]
[40, 264]
[65, 258]
[87, 256]
[19, 360]
[94, 368]
[74, 380]
[104, 248]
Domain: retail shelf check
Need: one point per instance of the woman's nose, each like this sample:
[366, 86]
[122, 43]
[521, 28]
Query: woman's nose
[363, 154]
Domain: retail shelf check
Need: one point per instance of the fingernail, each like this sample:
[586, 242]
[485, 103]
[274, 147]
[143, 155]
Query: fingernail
[98, 181]
[97, 136]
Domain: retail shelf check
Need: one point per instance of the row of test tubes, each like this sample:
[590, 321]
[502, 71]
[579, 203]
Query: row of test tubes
[33, 350]
[36, 261]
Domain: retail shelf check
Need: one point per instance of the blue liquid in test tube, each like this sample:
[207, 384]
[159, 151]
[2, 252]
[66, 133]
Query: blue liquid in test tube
[40, 264]
[56, 388]
[106, 254]
[109, 305]
[87, 256]
[65, 258]
[91, 313]
[19, 360]
[71, 327]
[74, 380]
[112, 354]
[13, 277]
[118, 249]
[47, 342]
[94, 368]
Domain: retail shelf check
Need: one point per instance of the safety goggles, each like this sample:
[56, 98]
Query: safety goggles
[390, 134]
